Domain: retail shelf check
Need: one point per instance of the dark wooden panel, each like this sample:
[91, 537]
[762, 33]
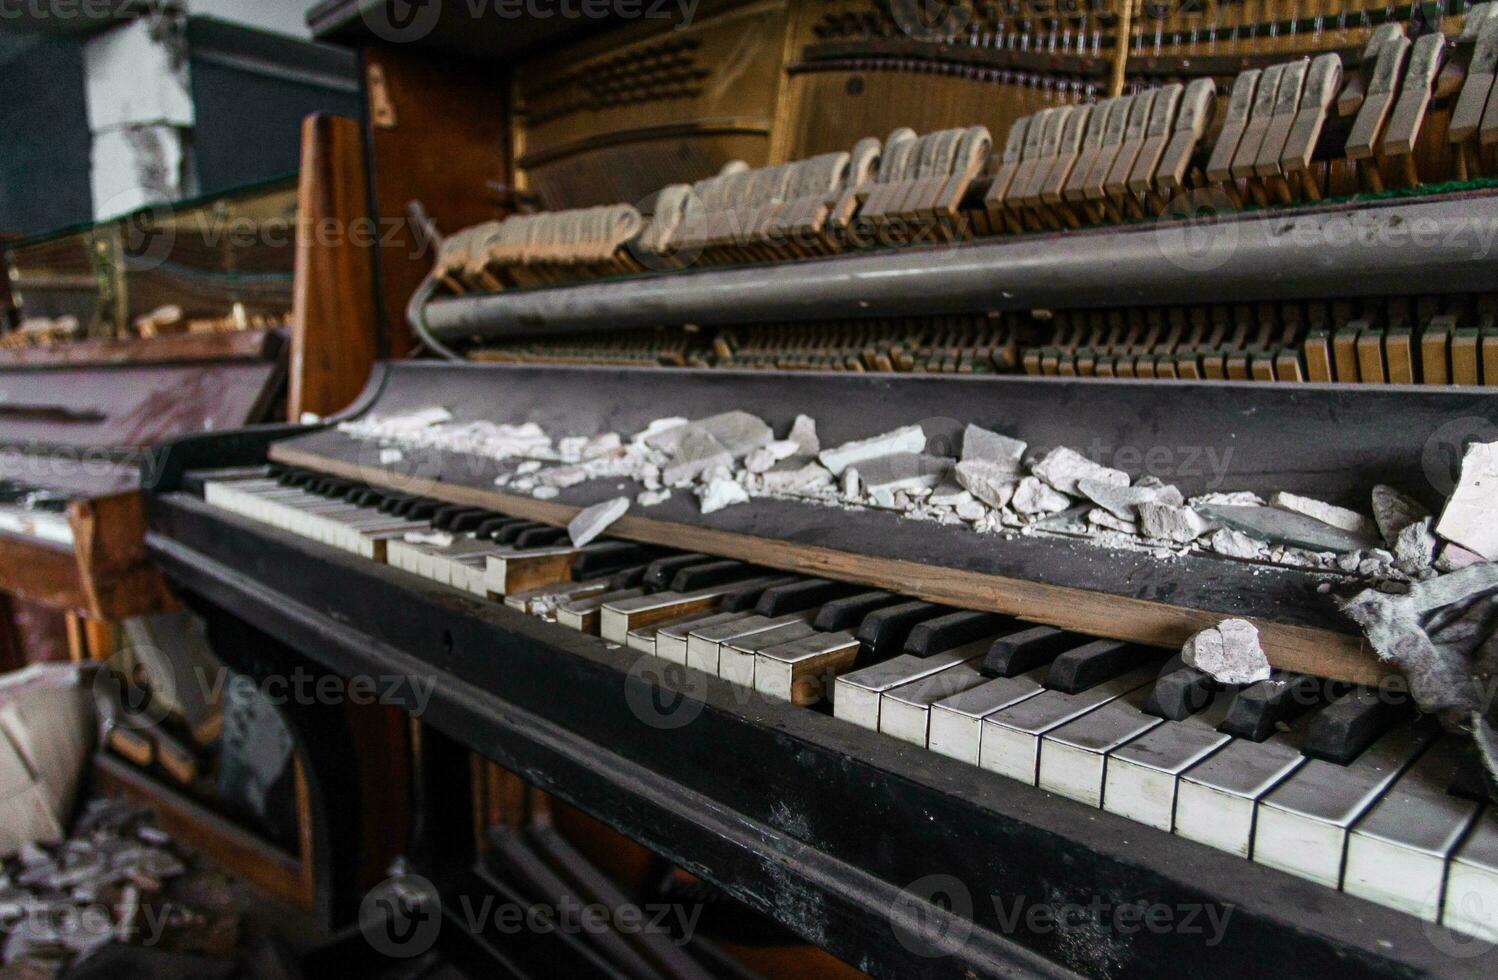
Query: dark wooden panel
[252, 345]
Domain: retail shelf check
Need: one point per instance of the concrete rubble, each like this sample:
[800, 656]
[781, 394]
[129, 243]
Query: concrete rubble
[1394, 511]
[1035, 496]
[1064, 468]
[593, 521]
[1171, 522]
[903, 471]
[907, 439]
[1123, 502]
[697, 452]
[1274, 525]
[1469, 516]
[720, 494]
[1228, 652]
[1338, 517]
[1000, 451]
[987, 481]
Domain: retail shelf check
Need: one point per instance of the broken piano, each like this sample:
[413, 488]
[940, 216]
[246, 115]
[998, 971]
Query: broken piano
[803, 663]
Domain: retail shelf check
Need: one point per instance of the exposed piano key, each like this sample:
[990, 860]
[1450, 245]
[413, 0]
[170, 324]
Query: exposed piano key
[1143, 776]
[1073, 756]
[885, 630]
[803, 671]
[1398, 853]
[905, 711]
[1343, 729]
[1090, 664]
[1011, 738]
[616, 619]
[705, 645]
[1471, 900]
[1258, 710]
[712, 573]
[736, 658]
[1216, 799]
[671, 641]
[848, 612]
[1302, 824]
[1025, 650]
[857, 695]
[803, 594]
[956, 629]
[1180, 692]
[516, 569]
[663, 570]
[584, 615]
[547, 598]
[956, 726]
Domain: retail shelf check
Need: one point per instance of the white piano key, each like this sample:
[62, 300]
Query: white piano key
[704, 646]
[1302, 824]
[1010, 742]
[857, 694]
[736, 658]
[671, 641]
[1398, 852]
[802, 671]
[1216, 799]
[1471, 901]
[1073, 756]
[957, 722]
[1142, 777]
[905, 711]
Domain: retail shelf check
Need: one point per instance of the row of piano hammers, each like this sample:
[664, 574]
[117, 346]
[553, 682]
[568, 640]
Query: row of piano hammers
[1426, 340]
[1408, 112]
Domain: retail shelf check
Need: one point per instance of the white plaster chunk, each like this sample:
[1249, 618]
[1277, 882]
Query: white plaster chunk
[852, 484]
[720, 494]
[698, 452]
[1033, 496]
[804, 434]
[1107, 519]
[739, 432]
[1123, 502]
[545, 493]
[1170, 522]
[562, 476]
[652, 498]
[1228, 652]
[529, 466]
[1394, 511]
[903, 471]
[884, 499]
[593, 521]
[1470, 517]
[441, 539]
[971, 510]
[949, 493]
[1063, 468]
[1339, 517]
[1285, 527]
[990, 447]
[388, 456]
[990, 483]
[909, 439]
[1238, 498]
[663, 434]
[798, 478]
[1236, 544]
[771, 453]
[1415, 547]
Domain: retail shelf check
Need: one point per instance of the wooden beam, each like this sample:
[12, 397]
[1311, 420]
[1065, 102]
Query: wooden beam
[235, 345]
[109, 546]
[1342, 656]
[333, 303]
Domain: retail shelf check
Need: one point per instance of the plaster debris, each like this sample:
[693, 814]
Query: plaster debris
[698, 452]
[388, 456]
[651, 498]
[852, 485]
[909, 439]
[990, 483]
[1171, 522]
[1278, 526]
[1033, 496]
[562, 476]
[981, 445]
[949, 493]
[766, 456]
[545, 493]
[740, 432]
[1415, 547]
[1236, 544]
[1123, 502]
[1470, 518]
[903, 471]
[798, 479]
[439, 539]
[1228, 652]
[1394, 511]
[528, 467]
[593, 521]
[1238, 498]
[663, 434]
[1107, 519]
[720, 494]
[1339, 517]
[804, 434]
[971, 510]
[1062, 468]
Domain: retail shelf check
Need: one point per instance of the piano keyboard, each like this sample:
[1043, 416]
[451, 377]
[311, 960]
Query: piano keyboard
[31, 513]
[1337, 784]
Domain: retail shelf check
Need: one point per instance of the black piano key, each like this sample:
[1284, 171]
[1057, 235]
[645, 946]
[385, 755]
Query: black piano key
[297, 478]
[953, 630]
[421, 509]
[393, 500]
[884, 631]
[1084, 667]
[487, 529]
[606, 558]
[1180, 691]
[1472, 780]
[366, 497]
[627, 578]
[470, 521]
[747, 598]
[711, 573]
[663, 570]
[848, 612]
[446, 518]
[542, 537]
[800, 595]
[1025, 650]
[1258, 709]
[1343, 729]
[508, 533]
[275, 471]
